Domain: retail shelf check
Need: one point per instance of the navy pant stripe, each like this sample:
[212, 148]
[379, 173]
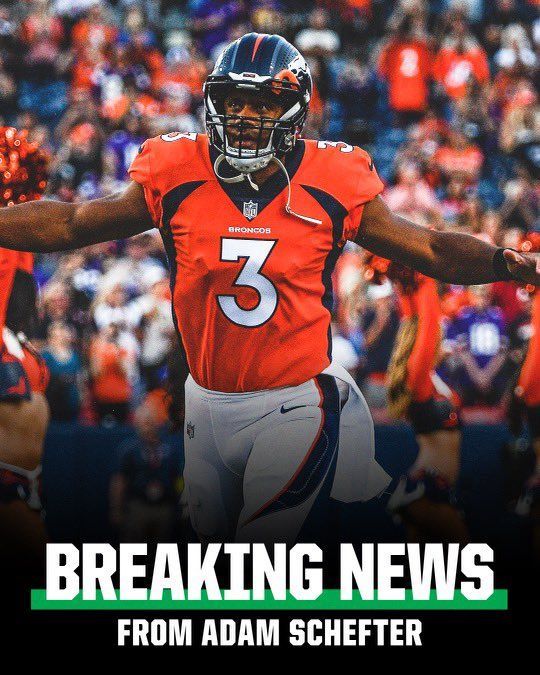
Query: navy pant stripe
[317, 460]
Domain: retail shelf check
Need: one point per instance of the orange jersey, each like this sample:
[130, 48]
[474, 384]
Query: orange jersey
[251, 284]
[407, 67]
[423, 303]
[529, 378]
[468, 160]
[453, 70]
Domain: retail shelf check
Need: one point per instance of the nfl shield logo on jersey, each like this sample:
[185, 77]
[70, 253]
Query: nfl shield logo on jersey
[190, 429]
[250, 210]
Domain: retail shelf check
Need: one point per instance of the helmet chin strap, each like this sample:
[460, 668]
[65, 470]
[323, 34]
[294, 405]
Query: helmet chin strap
[233, 179]
[247, 176]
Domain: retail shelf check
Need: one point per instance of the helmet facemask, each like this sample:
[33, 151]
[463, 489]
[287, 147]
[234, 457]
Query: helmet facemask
[272, 136]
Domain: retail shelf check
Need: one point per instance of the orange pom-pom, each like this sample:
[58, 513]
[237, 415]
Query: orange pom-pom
[23, 167]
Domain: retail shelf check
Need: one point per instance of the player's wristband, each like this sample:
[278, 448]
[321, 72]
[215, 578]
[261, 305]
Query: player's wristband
[502, 273]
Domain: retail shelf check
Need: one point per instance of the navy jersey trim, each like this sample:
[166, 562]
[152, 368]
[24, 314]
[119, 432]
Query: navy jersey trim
[337, 214]
[241, 192]
[320, 460]
[173, 199]
[170, 204]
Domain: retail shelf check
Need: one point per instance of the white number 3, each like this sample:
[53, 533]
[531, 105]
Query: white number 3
[255, 252]
[343, 147]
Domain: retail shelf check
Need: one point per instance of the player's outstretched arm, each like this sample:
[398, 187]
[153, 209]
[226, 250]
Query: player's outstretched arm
[449, 256]
[46, 225]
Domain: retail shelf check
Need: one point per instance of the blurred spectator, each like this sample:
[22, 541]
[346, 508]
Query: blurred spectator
[521, 117]
[472, 115]
[521, 206]
[477, 340]
[460, 58]
[454, 200]
[520, 329]
[211, 20]
[55, 306]
[63, 391]
[318, 37]
[354, 90]
[412, 196]
[41, 88]
[347, 279]
[406, 63]
[152, 315]
[505, 296]
[83, 151]
[110, 366]
[145, 491]
[111, 308]
[137, 268]
[94, 29]
[379, 324]
[490, 227]
[42, 33]
[8, 90]
[459, 156]
[123, 144]
[515, 48]
[505, 12]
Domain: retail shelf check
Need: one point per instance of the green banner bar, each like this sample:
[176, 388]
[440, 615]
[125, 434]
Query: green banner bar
[328, 601]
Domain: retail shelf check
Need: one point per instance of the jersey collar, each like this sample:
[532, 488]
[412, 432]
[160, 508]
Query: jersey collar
[241, 192]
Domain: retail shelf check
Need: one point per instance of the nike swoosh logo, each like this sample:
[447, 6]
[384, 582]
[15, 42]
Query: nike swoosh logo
[371, 164]
[294, 407]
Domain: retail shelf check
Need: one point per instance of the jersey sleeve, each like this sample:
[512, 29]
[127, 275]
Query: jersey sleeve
[141, 172]
[366, 185]
[422, 359]
[163, 163]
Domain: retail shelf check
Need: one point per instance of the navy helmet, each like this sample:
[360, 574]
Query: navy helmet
[263, 63]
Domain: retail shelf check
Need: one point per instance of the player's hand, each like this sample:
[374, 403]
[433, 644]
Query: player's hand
[524, 266]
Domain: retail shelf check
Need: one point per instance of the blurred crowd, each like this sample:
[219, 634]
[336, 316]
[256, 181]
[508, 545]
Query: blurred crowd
[442, 93]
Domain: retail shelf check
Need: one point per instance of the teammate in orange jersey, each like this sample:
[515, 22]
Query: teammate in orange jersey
[425, 497]
[24, 412]
[527, 392]
[253, 219]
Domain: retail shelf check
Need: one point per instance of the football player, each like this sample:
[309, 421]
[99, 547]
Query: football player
[425, 498]
[253, 219]
[527, 401]
[527, 392]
